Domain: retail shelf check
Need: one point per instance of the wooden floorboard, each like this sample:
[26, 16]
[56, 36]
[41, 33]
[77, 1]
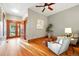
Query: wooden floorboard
[39, 44]
[19, 47]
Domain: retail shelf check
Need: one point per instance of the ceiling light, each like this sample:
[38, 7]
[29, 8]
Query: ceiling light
[15, 10]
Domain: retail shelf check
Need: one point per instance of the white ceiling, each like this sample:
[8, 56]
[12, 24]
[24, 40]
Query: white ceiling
[56, 8]
[23, 8]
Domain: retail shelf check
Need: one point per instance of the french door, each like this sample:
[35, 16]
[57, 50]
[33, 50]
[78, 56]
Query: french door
[16, 29]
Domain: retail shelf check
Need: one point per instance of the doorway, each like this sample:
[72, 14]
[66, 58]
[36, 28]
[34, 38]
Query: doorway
[16, 29]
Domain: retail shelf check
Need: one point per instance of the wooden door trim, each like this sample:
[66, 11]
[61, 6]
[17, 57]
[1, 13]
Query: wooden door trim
[16, 22]
[25, 29]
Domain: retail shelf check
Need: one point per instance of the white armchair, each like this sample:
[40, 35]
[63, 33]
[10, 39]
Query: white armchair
[60, 46]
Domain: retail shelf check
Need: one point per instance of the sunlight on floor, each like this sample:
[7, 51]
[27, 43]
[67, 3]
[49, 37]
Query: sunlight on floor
[10, 47]
[15, 41]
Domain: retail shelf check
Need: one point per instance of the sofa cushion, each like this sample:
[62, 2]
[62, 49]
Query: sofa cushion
[60, 39]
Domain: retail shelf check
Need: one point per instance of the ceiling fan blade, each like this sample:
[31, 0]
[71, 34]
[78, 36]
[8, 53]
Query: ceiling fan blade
[39, 6]
[50, 8]
[50, 4]
[46, 4]
[43, 10]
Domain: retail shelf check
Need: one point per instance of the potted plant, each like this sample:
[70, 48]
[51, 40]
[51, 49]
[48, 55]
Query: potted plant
[49, 30]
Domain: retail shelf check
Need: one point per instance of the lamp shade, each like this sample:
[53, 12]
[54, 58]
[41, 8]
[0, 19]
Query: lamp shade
[68, 30]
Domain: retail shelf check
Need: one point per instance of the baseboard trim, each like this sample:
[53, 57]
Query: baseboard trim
[37, 38]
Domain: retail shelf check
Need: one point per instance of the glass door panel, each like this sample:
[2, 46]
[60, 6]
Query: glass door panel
[12, 29]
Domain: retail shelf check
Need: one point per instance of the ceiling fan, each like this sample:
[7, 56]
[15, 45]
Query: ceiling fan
[46, 4]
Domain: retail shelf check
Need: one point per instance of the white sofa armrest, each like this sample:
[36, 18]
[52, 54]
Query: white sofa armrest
[54, 47]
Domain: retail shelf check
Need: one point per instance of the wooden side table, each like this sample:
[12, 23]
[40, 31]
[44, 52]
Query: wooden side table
[73, 40]
[76, 51]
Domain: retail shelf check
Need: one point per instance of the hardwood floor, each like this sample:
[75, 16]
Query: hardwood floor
[19, 47]
[39, 44]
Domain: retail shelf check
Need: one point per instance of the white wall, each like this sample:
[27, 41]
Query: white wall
[13, 17]
[31, 29]
[2, 31]
[64, 19]
[0, 23]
